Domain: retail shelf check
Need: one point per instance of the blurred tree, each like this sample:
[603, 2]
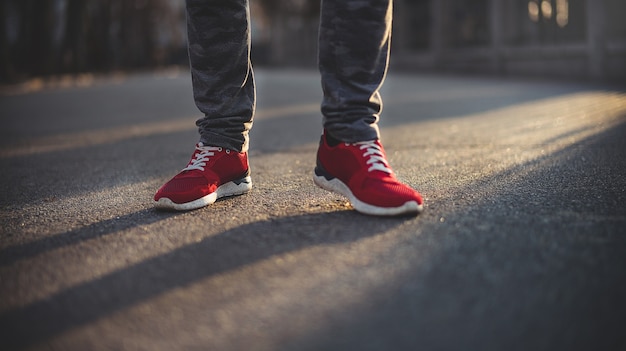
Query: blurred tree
[73, 48]
[39, 38]
[72, 36]
[5, 62]
[29, 23]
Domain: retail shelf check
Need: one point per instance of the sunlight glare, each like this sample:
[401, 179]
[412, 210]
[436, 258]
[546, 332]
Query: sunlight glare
[533, 11]
[546, 9]
[562, 13]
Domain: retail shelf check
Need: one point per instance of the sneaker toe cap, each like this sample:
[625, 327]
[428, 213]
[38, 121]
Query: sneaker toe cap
[387, 193]
[182, 191]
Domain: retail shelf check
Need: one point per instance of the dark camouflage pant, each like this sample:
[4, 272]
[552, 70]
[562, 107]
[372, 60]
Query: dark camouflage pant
[354, 40]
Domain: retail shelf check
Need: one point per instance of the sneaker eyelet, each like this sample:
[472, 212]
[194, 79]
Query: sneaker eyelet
[219, 149]
[228, 151]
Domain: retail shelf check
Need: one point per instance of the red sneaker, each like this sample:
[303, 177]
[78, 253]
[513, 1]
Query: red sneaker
[360, 172]
[212, 173]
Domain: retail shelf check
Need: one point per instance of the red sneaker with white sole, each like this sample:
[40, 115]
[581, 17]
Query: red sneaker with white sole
[360, 172]
[212, 173]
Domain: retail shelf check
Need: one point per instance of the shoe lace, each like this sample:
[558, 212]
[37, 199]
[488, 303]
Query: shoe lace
[202, 157]
[376, 157]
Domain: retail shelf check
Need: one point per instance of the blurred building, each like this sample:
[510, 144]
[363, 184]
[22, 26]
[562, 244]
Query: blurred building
[564, 38]
[580, 39]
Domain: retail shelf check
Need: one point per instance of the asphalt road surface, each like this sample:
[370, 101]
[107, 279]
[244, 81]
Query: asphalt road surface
[522, 244]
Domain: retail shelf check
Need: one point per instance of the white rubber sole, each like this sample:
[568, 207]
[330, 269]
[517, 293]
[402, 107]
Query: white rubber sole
[337, 186]
[233, 188]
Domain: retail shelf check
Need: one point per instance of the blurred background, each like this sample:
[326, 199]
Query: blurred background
[580, 39]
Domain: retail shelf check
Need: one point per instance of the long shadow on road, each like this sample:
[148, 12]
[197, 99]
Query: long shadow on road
[217, 254]
[15, 253]
[537, 264]
[506, 273]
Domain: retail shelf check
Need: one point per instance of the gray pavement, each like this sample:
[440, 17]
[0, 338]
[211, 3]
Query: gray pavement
[522, 245]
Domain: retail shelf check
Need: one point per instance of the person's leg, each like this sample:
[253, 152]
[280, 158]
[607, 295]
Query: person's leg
[222, 77]
[354, 43]
[224, 91]
[353, 59]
